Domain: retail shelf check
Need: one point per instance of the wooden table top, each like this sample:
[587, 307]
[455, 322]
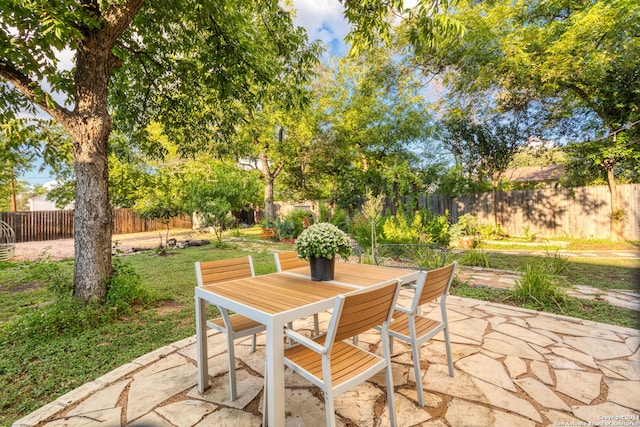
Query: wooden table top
[278, 292]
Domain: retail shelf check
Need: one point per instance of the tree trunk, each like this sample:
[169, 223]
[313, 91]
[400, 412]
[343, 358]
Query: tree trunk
[90, 128]
[268, 179]
[12, 185]
[617, 214]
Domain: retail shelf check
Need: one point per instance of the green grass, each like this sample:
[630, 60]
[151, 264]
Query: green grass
[37, 368]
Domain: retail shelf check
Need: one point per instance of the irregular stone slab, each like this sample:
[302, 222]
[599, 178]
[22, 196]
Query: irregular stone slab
[601, 349]
[509, 346]
[248, 387]
[624, 393]
[524, 334]
[628, 369]
[542, 394]
[151, 419]
[558, 418]
[229, 417]
[576, 356]
[472, 389]
[255, 360]
[186, 413]
[104, 417]
[633, 343]
[515, 366]
[162, 364]
[399, 372]
[357, 404]
[216, 344]
[597, 414]
[473, 329]
[500, 398]
[407, 413]
[582, 386]
[541, 370]
[435, 352]
[431, 400]
[463, 413]
[147, 391]
[497, 320]
[302, 408]
[487, 369]
[503, 310]
[546, 333]
[103, 399]
[565, 327]
[465, 311]
[557, 362]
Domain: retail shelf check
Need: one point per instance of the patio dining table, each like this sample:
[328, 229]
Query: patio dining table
[276, 299]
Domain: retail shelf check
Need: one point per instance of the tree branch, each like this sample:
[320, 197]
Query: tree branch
[33, 91]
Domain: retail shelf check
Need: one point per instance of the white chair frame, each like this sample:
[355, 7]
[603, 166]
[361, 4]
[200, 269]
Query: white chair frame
[410, 326]
[377, 303]
[234, 326]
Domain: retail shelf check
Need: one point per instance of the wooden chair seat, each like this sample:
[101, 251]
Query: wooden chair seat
[239, 323]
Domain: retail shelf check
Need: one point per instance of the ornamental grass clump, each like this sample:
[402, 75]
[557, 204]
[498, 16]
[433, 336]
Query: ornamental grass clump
[323, 240]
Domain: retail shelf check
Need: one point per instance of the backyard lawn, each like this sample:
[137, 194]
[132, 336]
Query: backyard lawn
[43, 355]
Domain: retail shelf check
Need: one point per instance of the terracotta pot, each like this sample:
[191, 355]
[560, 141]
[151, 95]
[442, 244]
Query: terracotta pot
[466, 242]
[322, 268]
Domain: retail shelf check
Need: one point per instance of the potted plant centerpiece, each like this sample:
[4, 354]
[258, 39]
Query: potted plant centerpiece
[319, 244]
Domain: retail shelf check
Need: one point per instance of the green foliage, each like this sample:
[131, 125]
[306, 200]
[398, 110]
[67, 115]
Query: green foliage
[538, 286]
[323, 240]
[467, 225]
[67, 315]
[341, 220]
[397, 229]
[475, 258]
[361, 230]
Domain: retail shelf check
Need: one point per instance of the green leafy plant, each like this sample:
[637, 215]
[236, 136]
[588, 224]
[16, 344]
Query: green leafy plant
[323, 240]
[467, 225]
[475, 258]
[538, 286]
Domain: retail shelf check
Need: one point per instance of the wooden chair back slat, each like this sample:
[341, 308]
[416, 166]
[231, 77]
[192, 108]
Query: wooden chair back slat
[436, 283]
[222, 270]
[365, 310]
[289, 260]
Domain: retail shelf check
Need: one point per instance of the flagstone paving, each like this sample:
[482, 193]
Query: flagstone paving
[513, 367]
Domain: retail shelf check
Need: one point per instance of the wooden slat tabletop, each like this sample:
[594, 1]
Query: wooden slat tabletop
[275, 293]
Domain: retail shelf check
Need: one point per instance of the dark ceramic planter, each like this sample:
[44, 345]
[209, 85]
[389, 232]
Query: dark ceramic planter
[322, 268]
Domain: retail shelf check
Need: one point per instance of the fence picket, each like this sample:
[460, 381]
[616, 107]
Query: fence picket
[53, 225]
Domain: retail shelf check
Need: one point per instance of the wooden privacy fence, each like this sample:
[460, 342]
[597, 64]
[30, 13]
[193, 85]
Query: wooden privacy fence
[52, 225]
[576, 212]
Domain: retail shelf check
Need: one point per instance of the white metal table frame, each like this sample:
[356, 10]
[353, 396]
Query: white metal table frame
[347, 277]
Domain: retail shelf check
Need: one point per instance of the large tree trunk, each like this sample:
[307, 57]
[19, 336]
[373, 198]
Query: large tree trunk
[90, 129]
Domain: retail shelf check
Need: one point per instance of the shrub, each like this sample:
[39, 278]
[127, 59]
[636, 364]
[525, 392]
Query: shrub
[537, 287]
[474, 258]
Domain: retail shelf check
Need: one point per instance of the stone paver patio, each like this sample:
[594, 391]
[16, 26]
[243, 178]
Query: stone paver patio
[513, 367]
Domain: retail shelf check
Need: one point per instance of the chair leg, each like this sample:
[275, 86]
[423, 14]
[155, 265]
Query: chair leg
[447, 344]
[233, 392]
[415, 351]
[316, 325]
[389, 379]
[330, 408]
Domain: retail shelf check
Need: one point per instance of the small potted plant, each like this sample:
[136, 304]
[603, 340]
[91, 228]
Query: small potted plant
[319, 244]
[464, 231]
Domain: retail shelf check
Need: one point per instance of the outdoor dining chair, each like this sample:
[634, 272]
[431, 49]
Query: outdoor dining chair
[335, 365]
[235, 326]
[410, 326]
[287, 261]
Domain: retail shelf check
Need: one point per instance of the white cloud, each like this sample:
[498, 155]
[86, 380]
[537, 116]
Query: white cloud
[323, 20]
